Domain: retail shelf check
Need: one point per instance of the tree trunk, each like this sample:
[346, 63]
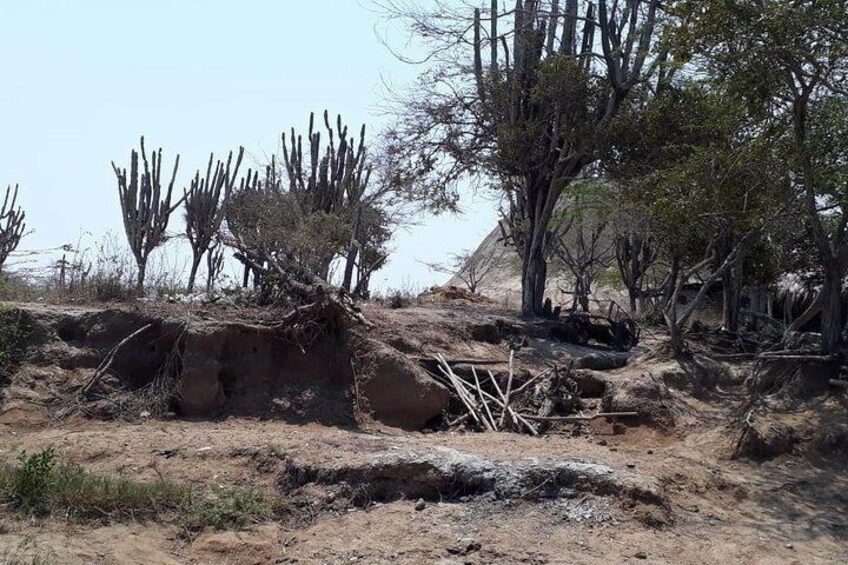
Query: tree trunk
[350, 263]
[632, 294]
[533, 283]
[142, 273]
[195, 264]
[732, 293]
[832, 309]
[245, 279]
[678, 344]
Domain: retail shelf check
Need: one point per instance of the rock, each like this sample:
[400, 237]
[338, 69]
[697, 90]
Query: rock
[420, 505]
[644, 394]
[641, 555]
[427, 474]
[398, 391]
[592, 384]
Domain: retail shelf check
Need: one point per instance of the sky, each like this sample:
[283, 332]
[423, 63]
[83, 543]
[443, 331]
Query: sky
[81, 81]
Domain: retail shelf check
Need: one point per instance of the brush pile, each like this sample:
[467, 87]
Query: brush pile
[533, 407]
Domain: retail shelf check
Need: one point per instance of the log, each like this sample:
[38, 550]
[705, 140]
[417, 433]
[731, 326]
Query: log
[839, 383]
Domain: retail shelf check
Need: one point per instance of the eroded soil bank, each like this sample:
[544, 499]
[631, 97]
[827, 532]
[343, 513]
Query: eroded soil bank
[324, 425]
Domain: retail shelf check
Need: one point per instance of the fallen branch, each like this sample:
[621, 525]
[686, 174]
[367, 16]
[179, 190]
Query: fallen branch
[810, 358]
[477, 362]
[508, 386]
[461, 391]
[839, 383]
[106, 364]
[581, 418]
[483, 399]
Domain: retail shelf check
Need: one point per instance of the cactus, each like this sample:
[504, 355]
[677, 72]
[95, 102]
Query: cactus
[331, 180]
[145, 212]
[214, 264]
[205, 207]
[12, 225]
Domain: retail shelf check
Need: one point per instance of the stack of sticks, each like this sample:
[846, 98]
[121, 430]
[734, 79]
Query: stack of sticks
[501, 410]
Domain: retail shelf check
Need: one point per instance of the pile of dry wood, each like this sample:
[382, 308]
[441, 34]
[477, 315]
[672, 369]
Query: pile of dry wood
[549, 397]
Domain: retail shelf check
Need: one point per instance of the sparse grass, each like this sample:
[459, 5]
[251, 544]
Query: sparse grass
[40, 487]
[27, 552]
[275, 450]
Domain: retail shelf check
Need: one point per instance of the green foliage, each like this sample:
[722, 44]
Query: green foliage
[232, 508]
[278, 223]
[693, 163]
[39, 486]
[26, 487]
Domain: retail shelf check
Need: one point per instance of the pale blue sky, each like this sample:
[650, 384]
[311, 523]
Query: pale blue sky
[81, 81]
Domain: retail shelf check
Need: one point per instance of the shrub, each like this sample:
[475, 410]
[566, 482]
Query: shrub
[27, 486]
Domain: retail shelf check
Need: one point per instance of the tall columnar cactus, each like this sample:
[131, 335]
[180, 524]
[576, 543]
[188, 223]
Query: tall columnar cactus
[333, 181]
[205, 207]
[145, 211]
[12, 224]
[334, 175]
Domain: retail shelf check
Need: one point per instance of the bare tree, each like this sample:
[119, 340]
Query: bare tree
[205, 207]
[471, 267]
[12, 224]
[586, 249]
[145, 211]
[635, 254]
[675, 319]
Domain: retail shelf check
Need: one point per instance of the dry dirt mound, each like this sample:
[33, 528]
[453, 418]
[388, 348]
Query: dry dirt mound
[215, 368]
[793, 410]
[451, 292]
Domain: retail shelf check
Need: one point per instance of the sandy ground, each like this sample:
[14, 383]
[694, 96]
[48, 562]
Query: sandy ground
[716, 510]
[721, 511]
